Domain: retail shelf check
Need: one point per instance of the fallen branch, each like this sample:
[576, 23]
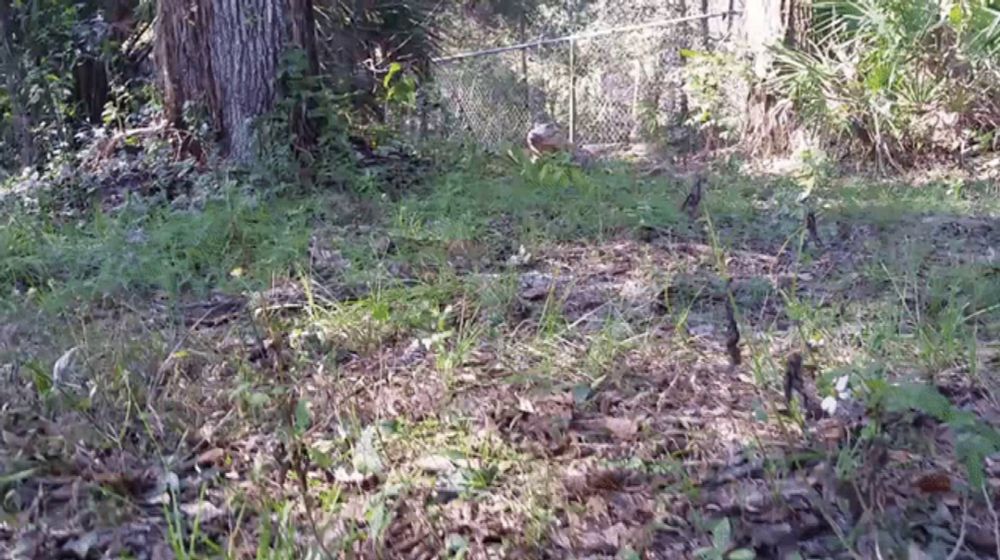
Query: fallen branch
[186, 144]
[108, 146]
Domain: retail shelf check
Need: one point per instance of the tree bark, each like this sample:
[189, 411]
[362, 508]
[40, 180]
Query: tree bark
[11, 67]
[764, 26]
[225, 55]
[799, 23]
[769, 22]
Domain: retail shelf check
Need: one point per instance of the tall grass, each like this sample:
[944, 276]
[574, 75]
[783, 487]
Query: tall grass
[160, 250]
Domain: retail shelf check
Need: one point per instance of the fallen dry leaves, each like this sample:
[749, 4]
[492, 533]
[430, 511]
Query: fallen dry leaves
[504, 459]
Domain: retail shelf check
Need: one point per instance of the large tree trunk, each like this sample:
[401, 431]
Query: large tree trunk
[224, 55]
[768, 126]
[764, 26]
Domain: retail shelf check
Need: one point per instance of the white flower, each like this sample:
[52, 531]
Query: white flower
[829, 405]
[841, 386]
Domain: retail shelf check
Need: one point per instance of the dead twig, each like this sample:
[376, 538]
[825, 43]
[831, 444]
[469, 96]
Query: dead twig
[813, 229]
[996, 518]
[961, 533]
[819, 506]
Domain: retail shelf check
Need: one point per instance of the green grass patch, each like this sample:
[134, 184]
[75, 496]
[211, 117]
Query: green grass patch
[229, 244]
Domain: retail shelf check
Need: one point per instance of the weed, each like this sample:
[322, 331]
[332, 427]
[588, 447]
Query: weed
[722, 547]
[365, 324]
[613, 340]
[452, 348]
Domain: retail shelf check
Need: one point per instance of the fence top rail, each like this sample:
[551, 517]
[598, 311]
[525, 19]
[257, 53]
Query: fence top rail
[587, 35]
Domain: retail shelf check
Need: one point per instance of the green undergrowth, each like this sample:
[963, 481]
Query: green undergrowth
[905, 289]
[141, 249]
[229, 243]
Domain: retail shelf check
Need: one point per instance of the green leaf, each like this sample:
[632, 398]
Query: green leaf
[973, 457]
[302, 416]
[543, 174]
[366, 457]
[379, 518]
[628, 554]
[721, 534]
[920, 397]
[17, 476]
[707, 552]
[956, 15]
[257, 399]
[321, 458]
[394, 68]
[40, 379]
[380, 312]
[973, 445]
[742, 554]
[581, 393]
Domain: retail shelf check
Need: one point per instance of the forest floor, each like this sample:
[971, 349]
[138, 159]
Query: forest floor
[512, 362]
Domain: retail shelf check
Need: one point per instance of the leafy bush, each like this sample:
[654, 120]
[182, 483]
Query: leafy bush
[38, 52]
[708, 81]
[895, 77]
[974, 439]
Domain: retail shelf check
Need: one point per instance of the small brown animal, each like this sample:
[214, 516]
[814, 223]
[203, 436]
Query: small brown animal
[547, 138]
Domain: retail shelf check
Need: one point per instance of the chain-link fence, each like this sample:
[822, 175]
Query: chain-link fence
[609, 87]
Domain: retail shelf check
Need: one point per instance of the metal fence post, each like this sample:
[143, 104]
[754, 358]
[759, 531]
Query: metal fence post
[572, 91]
[524, 66]
[704, 25]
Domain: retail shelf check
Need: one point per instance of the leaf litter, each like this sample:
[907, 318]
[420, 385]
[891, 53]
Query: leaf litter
[661, 449]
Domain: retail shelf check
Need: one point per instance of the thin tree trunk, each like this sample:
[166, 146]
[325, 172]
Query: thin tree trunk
[799, 23]
[704, 26]
[92, 74]
[522, 38]
[765, 25]
[225, 55]
[20, 115]
[685, 44]
[90, 83]
[303, 36]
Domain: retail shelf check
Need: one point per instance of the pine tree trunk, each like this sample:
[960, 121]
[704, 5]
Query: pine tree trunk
[224, 55]
[799, 16]
[768, 126]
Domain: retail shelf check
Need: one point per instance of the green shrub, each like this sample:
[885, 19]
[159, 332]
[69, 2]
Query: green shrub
[892, 77]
